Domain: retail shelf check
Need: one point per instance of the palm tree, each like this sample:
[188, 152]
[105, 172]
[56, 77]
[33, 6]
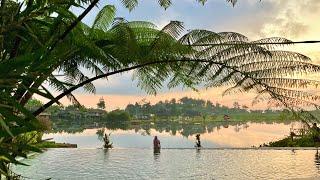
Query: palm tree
[82, 50]
[157, 55]
[36, 39]
[35, 46]
[245, 65]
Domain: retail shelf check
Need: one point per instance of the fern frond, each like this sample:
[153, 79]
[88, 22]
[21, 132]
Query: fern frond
[104, 18]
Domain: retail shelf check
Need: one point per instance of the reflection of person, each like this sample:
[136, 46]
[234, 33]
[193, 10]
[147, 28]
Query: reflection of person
[198, 143]
[315, 132]
[317, 159]
[226, 117]
[315, 127]
[156, 143]
[225, 125]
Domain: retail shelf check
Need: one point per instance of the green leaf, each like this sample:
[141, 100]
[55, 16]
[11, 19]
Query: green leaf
[5, 127]
[104, 18]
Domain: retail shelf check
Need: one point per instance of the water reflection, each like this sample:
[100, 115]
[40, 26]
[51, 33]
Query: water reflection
[156, 150]
[198, 154]
[178, 135]
[317, 160]
[156, 155]
[106, 154]
[172, 127]
[100, 133]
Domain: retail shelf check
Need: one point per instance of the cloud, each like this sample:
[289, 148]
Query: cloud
[294, 19]
[288, 21]
[285, 27]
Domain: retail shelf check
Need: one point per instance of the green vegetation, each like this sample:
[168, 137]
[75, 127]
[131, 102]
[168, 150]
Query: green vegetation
[52, 144]
[82, 117]
[117, 116]
[101, 104]
[72, 119]
[305, 141]
[40, 41]
[185, 128]
[185, 110]
[189, 109]
[306, 137]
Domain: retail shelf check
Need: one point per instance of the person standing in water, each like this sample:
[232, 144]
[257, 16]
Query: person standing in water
[156, 145]
[198, 142]
[107, 143]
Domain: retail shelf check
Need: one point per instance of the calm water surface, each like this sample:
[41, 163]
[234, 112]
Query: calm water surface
[213, 135]
[133, 158]
[171, 164]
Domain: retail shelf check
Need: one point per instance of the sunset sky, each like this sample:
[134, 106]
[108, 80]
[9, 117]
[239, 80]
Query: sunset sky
[294, 19]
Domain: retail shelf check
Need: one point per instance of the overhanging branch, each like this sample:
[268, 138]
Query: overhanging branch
[257, 43]
[235, 69]
[48, 104]
[74, 24]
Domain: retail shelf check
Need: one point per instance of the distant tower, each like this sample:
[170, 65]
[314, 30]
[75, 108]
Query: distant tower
[101, 104]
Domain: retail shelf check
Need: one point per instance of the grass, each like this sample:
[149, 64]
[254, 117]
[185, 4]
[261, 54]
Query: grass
[52, 144]
[304, 141]
[236, 117]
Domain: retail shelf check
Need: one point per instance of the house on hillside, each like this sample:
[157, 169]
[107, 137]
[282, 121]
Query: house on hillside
[95, 113]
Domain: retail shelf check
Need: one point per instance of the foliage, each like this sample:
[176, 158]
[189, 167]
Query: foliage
[66, 121]
[52, 144]
[100, 133]
[33, 104]
[33, 137]
[305, 141]
[183, 107]
[101, 104]
[86, 117]
[305, 138]
[189, 107]
[42, 43]
[117, 116]
[173, 126]
[185, 110]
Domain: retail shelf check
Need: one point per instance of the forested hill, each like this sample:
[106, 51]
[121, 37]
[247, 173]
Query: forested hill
[187, 107]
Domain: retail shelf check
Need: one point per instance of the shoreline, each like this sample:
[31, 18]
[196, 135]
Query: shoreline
[53, 144]
[217, 148]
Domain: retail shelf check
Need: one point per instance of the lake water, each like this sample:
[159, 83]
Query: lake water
[133, 157]
[182, 136]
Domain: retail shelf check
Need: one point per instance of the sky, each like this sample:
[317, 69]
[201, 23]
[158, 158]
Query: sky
[294, 19]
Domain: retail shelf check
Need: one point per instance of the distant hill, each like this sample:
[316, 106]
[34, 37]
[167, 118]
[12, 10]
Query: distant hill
[187, 107]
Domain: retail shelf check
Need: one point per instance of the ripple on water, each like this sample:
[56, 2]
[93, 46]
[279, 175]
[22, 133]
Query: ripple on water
[170, 164]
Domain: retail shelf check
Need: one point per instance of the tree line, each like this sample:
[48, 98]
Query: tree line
[42, 41]
[189, 107]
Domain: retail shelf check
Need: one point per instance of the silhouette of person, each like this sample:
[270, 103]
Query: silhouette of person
[156, 145]
[198, 142]
[107, 143]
